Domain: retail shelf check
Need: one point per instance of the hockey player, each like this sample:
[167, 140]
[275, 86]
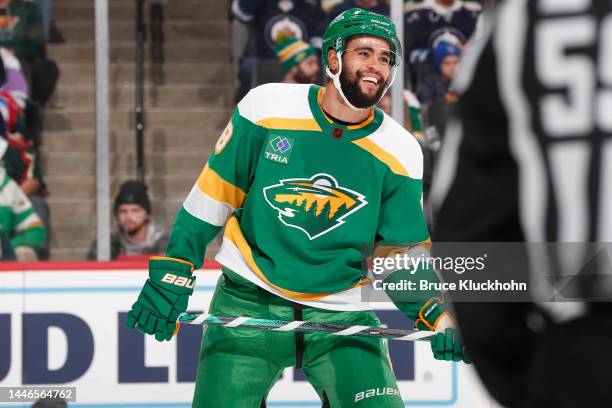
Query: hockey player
[301, 177]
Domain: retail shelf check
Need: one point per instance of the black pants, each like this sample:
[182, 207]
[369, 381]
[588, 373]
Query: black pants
[43, 74]
[565, 365]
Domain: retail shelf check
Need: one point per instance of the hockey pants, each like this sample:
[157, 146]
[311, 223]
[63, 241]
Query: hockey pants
[239, 366]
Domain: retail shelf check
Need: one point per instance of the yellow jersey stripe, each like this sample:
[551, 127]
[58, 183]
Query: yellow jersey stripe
[289, 124]
[319, 95]
[382, 155]
[167, 258]
[364, 123]
[233, 233]
[350, 127]
[213, 185]
[36, 224]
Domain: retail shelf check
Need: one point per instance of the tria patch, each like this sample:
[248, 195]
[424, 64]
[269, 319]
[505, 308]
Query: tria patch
[279, 149]
[313, 205]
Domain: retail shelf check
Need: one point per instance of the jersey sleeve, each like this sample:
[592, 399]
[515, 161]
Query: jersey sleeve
[220, 189]
[401, 221]
[403, 229]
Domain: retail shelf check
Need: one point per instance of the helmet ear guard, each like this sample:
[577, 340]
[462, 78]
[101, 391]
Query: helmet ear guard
[336, 81]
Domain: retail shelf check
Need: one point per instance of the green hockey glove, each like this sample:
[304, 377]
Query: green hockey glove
[448, 346]
[163, 297]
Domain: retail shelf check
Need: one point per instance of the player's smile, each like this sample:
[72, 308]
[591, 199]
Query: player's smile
[370, 82]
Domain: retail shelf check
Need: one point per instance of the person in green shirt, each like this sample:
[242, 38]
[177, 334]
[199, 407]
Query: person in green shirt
[19, 221]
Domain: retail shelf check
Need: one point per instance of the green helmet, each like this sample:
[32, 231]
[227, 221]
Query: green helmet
[357, 21]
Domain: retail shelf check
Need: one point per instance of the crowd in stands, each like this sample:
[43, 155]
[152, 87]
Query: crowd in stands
[435, 34]
[27, 81]
[274, 41]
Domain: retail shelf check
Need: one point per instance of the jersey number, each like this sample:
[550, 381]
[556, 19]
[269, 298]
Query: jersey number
[584, 105]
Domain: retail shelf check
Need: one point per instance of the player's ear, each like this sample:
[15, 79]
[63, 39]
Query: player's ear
[293, 70]
[332, 60]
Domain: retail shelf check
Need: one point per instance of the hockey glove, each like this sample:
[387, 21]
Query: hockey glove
[163, 297]
[446, 344]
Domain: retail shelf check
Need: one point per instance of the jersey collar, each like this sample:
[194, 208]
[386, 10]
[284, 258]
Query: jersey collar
[334, 129]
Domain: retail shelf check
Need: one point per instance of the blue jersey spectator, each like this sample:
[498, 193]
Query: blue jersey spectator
[271, 19]
[375, 6]
[425, 21]
[436, 87]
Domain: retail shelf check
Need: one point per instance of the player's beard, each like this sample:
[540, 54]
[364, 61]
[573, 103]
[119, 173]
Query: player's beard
[352, 92]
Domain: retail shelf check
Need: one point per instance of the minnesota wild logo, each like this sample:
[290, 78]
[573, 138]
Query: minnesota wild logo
[315, 205]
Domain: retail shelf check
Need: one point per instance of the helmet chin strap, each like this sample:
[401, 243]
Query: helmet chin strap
[336, 80]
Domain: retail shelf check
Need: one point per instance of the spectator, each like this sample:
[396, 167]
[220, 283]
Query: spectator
[14, 81]
[385, 104]
[299, 61]
[413, 122]
[45, 7]
[14, 90]
[436, 87]
[423, 22]
[328, 5]
[136, 232]
[18, 219]
[21, 31]
[22, 166]
[21, 159]
[270, 21]
[375, 6]
[31, 181]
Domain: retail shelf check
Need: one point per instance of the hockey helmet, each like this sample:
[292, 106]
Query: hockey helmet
[355, 22]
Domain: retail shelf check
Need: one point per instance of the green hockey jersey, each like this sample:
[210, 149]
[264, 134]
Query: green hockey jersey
[300, 195]
[17, 217]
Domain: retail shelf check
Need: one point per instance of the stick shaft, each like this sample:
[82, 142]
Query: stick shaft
[285, 325]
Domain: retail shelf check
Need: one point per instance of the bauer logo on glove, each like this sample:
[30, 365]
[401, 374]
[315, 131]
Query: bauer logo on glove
[163, 297]
[178, 280]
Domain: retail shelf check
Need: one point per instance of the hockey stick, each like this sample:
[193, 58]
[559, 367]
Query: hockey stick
[298, 325]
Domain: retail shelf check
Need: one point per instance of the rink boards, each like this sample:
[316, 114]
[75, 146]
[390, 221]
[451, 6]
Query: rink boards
[64, 324]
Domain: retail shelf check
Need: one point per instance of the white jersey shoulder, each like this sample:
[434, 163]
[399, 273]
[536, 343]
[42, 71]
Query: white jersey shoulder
[287, 101]
[401, 145]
